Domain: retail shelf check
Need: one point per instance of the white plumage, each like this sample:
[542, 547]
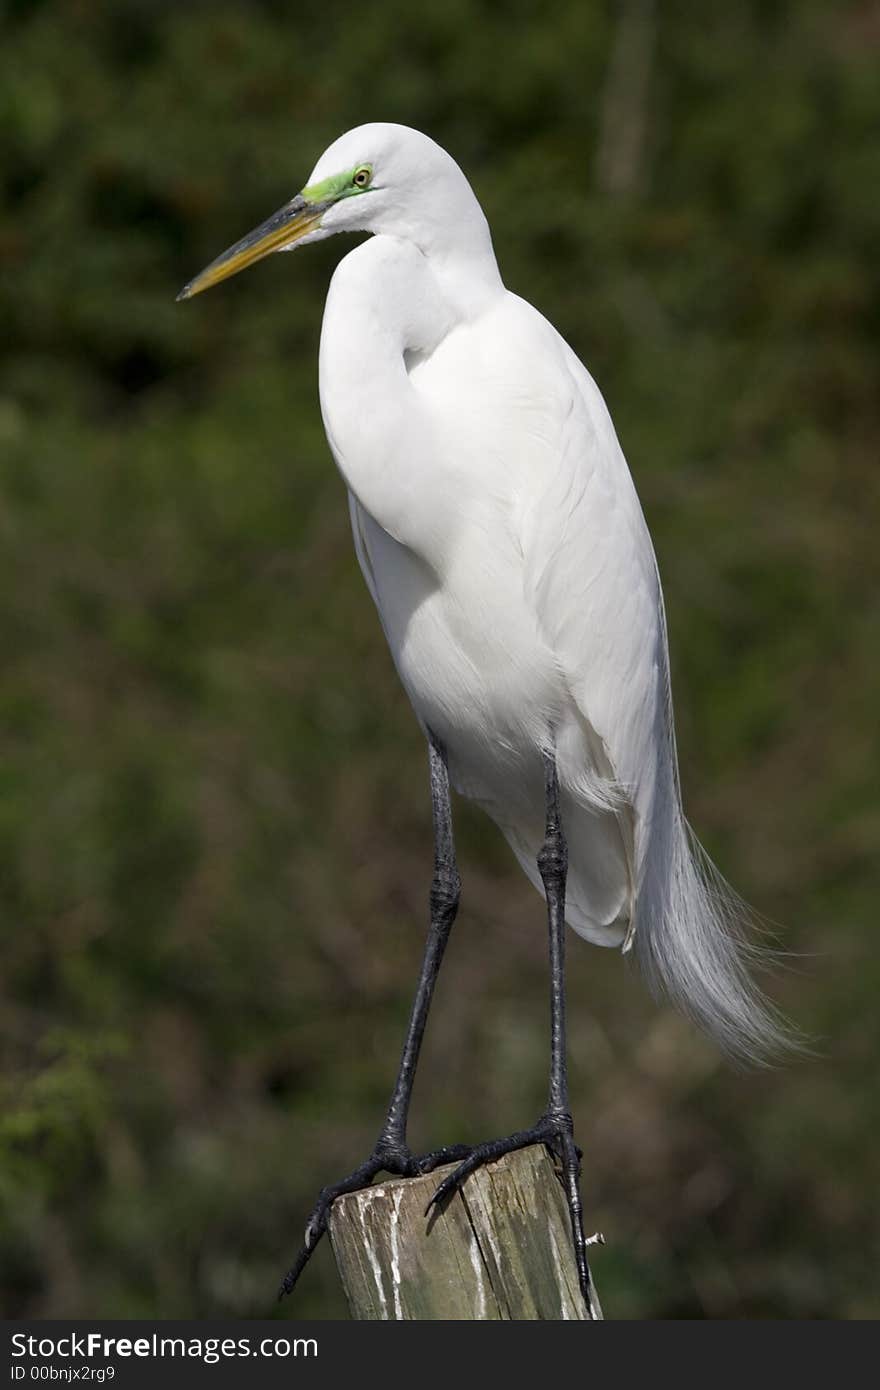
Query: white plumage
[500, 535]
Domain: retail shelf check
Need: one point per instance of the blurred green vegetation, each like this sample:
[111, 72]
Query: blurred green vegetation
[214, 827]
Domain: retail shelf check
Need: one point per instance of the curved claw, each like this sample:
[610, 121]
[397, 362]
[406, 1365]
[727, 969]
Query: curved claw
[289, 1281]
[487, 1153]
[316, 1226]
[386, 1157]
[452, 1183]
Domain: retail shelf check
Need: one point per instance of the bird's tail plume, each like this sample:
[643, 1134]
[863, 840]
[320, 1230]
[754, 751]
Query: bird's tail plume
[693, 934]
[691, 942]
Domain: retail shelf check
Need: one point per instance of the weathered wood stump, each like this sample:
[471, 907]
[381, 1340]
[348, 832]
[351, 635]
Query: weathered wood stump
[500, 1248]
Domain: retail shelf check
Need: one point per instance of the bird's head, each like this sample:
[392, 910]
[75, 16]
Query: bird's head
[377, 178]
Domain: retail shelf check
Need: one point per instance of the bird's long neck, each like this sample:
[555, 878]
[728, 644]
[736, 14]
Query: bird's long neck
[387, 307]
[458, 249]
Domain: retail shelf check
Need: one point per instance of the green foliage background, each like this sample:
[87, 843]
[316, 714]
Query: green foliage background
[214, 828]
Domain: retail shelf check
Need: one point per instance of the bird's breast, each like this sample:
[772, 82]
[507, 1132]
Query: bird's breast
[466, 648]
[471, 436]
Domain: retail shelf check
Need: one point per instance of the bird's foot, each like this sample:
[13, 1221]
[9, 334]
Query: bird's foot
[555, 1129]
[389, 1156]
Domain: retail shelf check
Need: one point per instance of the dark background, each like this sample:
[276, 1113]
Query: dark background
[214, 828]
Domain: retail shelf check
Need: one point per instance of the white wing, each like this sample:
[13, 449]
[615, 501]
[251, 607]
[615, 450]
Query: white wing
[591, 580]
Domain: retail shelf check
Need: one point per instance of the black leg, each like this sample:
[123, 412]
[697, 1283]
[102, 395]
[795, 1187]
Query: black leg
[555, 1128]
[391, 1154]
[445, 895]
[553, 867]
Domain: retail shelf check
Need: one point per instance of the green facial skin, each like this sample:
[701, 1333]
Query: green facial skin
[337, 186]
[297, 218]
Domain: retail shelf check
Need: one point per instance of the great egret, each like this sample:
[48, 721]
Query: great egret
[502, 541]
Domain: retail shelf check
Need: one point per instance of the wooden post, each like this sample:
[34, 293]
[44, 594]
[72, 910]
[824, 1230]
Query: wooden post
[500, 1249]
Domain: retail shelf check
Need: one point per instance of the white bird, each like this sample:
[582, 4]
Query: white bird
[502, 541]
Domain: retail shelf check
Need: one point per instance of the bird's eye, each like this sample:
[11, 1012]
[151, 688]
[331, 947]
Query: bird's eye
[362, 177]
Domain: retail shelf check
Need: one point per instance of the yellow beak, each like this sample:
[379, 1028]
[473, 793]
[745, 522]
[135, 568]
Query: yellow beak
[290, 223]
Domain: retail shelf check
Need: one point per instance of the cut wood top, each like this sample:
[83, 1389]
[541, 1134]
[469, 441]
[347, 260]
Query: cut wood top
[500, 1249]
